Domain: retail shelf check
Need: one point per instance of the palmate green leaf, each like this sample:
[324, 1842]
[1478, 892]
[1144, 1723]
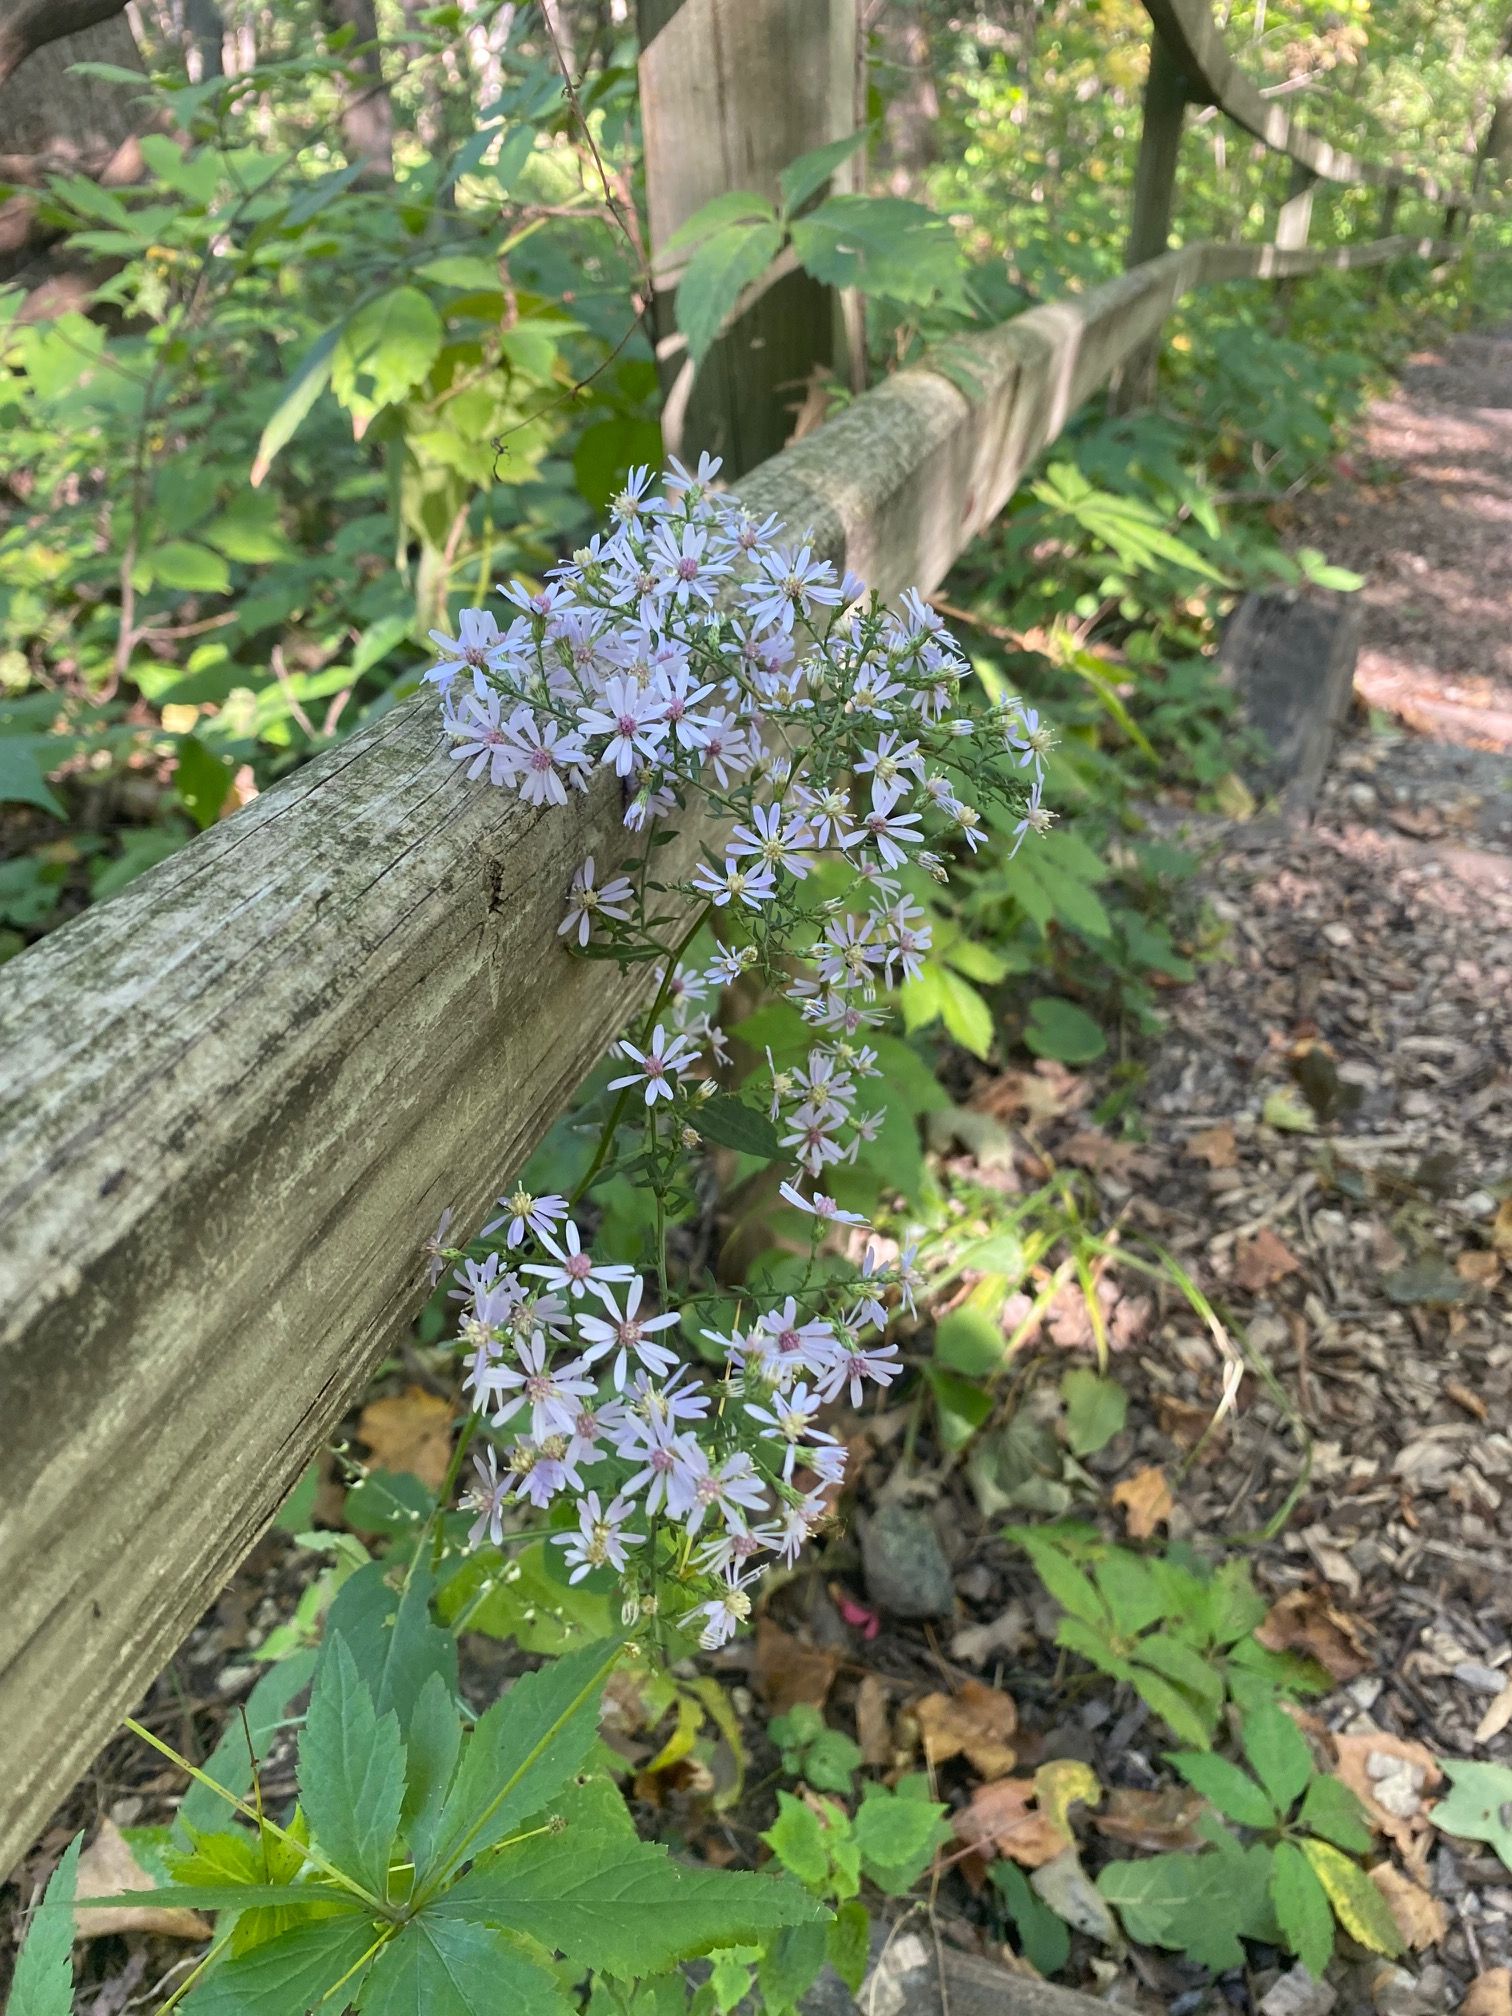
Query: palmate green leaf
[1184, 1667]
[289, 1975]
[1302, 1908]
[42, 1984]
[884, 245]
[735, 206]
[232, 1896]
[1358, 1905]
[522, 1751]
[351, 1772]
[447, 1967]
[716, 276]
[1224, 1785]
[1183, 1901]
[897, 1837]
[733, 1124]
[1329, 1808]
[623, 1906]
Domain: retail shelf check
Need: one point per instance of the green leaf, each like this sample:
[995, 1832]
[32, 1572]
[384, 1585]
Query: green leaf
[233, 1896]
[385, 350]
[1183, 1716]
[181, 563]
[1067, 1584]
[1043, 1936]
[1185, 1667]
[884, 245]
[734, 1124]
[23, 772]
[1131, 1590]
[522, 1751]
[1278, 1754]
[1479, 1806]
[716, 276]
[310, 379]
[1058, 1029]
[897, 1837]
[42, 1984]
[288, 1975]
[1358, 1905]
[623, 1906]
[811, 171]
[1333, 1811]
[446, 1967]
[966, 1015]
[1185, 1902]
[1096, 1409]
[432, 1741]
[201, 781]
[797, 1838]
[960, 1407]
[790, 1966]
[351, 1772]
[969, 1340]
[1302, 1909]
[392, 1636]
[735, 206]
[1225, 1786]
[848, 1943]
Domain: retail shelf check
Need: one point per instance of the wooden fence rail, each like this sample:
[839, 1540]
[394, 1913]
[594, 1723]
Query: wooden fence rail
[236, 1097]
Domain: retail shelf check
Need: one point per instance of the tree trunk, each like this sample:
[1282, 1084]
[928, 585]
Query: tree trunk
[731, 92]
[367, 115]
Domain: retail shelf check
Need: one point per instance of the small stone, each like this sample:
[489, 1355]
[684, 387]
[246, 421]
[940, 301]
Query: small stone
[1298, 1994]
[1480, 1679]
[905, 1567]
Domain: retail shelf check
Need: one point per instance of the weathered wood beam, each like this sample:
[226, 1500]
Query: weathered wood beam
[236, 1097]
[1216, 79]
[1154, 201]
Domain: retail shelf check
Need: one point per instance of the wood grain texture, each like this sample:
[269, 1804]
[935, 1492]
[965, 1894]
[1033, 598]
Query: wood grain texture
[236, 1097]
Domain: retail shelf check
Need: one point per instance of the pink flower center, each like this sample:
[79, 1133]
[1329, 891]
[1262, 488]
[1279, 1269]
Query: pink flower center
[579, 1266]
[627, 725]
[687, 568]
[541, 758]
[655, 1068]
[629, 1334]
[789, 1340]
[663, 1460]
[538, 1388]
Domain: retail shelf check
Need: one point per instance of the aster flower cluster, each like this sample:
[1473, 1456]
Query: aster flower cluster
[706, 661]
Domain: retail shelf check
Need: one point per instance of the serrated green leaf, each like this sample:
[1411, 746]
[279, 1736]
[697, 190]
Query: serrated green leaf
[1182, 1901]
[230, 1763]
[811, 171]
[733, 1124]
[1302, 1908]
[790, 1966]
[961, 1407]
[797, 1838]
[897, 1837]
[1059, 1029]
[1096, 1409]
[969, 1340]
[1091, 1643]
[884, 245]
[1333, 1811]
[351, 1772]
[625, 1907]
[432, 1741]
[716, 276]
[522, 1751]
[1358, 1905]
[1129, 1588]
[848, 1943]
[1184, 1717]
[1184, 1667]
[235, 1896]
[446, 1967]
[1479, 1805]
[1277, 1752]
[385, 349]
[289, 1975]
[734, 206]
[1225, 1786]
[1065, 1581]
[201, 781]
[392, 1636]
[42, 1984]
[964, 1012]
[24, 763]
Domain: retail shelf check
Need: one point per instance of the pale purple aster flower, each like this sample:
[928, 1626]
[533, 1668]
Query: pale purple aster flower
[775, 839]
[659, 1065]
[524, 1213]
[488, 1497]
[879, 1364]
[435, 1248]
[678, 693]
[475, 646]
[802, 1345]
[631, 718]
[726, 1612]
[889, 830]
[553, 1397]
[811, 1134]
[587, 901]
[670, 1464]
[483, 741]
[601, 1539]
[827, 812]
[628, 1334]
[732, 883]
[545, 755]
[574, 1270]
[542, 1470]
[890, 759]
[734, 1487]
[736, 1545]
[794, 583]
[685, 568]
[819, 1206]
[788, 1420]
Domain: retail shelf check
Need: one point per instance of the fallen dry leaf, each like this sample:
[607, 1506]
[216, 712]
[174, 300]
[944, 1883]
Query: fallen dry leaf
[1186, 1422]
[1305, 1620]
[873, 1723]
[975, 1722]
[1489, 1994]
[410, 1431]
[1010, 1632]
[108, 1867]
[1146, 1501]
[1216, 1146]
[1480, 1268]
[1000, 1820]
[1152, 1820]
[1389, 1775]
[789, 1673]
[1063, 1783]
[1101, 1155]
[1463, 1397]
[1261, 1261]
[1041, 1094]
[1501, 1229]
[1420, 1917]
[1496, 1717]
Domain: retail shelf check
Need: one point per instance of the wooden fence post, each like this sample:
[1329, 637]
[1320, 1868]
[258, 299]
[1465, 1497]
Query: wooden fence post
[1165, 102]
[1390, 204]
[731, 91]
[1294, 219]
